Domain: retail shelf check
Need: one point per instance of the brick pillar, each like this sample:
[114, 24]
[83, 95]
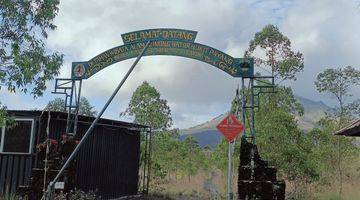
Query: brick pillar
[264, 184]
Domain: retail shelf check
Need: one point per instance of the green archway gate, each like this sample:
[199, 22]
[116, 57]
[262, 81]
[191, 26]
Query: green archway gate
[173, 42]
[162, 41]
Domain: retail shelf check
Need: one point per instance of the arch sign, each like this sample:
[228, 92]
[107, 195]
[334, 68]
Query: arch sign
[174, 42]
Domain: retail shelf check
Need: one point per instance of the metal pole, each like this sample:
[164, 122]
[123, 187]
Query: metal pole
[68, 122]
[229, 181]
[237, 102]
[77, 109]
[252, 127]
[243, 105]
[149, 162]
[46, 161]
[88, 132]
[145, 160]
[252, 111]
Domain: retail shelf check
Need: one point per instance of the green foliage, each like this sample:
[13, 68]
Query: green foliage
[85, 108]
[24, 60]
[219, 157]
[353, 109]
[326, 149]
[338, 82]
[173, 156]
[334, 151]
[57, 104]
[3, 115]
[5, 118]
[170, 155]
[194, 157]
[282, 61]
[279, 138]
[148, 108]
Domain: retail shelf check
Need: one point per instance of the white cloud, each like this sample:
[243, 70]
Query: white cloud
[328, 35]
[326, 32]
[96, 27]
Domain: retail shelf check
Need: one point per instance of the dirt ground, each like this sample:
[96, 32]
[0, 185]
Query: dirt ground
[152, 197]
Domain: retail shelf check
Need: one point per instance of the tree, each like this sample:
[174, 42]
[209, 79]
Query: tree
[24, 59]
[329, 154]
[219, 156]
[285, 146]
[85, 108]
[193, 156]
[278, 138]
[282, 61]
[3, 115]
[338, 83]
[57, 104]
[148, 108]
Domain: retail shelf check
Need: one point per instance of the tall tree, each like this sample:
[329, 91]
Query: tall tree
[278, 58]
[148, 108]
[85, 108]
[283, 62]
[24, 59]
[193, 156]
[338, 82]
[25, 62]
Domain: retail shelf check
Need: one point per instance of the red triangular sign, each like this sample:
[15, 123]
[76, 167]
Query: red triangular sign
[230, 127]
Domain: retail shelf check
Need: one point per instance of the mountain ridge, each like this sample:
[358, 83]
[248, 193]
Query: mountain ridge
[207, 134]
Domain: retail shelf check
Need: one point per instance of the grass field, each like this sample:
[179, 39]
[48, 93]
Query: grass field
[195, 187]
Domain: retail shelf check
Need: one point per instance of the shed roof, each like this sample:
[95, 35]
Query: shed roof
[82, 118]
[351, 130]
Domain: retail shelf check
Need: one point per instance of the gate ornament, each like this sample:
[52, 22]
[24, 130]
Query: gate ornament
[172, 42]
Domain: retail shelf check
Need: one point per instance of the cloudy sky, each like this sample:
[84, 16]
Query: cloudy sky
[326, 31]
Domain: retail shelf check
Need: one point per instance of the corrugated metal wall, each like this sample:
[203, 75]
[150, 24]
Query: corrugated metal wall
[108, 162]
[14, 170]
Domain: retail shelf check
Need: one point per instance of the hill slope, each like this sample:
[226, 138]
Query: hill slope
[206, 133]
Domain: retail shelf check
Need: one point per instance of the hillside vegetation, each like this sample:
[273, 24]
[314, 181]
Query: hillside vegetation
[293, 134]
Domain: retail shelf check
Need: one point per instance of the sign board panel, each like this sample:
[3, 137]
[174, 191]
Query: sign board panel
[59, 185]
[230, 127]
[159, 34]
[162, 44]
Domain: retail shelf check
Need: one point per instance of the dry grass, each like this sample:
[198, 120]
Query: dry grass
[194, 186]
[177, 185]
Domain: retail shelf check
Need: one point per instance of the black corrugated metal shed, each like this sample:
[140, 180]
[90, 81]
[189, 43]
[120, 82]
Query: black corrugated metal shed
[108, 162]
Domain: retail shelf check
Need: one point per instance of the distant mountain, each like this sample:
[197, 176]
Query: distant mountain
[207, 134]
[208, 137]
[206, 126]
[313, 112]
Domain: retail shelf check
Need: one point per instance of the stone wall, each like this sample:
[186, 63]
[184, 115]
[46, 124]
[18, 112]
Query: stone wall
[257, 180]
